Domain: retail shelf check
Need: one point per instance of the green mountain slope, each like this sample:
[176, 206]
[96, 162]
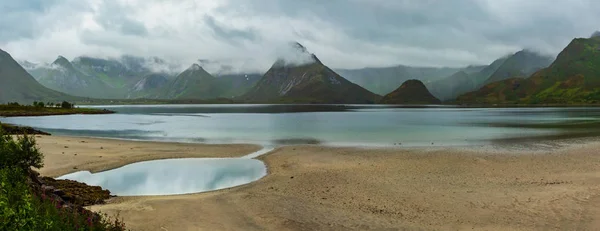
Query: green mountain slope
[149, 87]
[193, 83]
[308, 82]
[520, 65]
[16, 85]
[574, 77]
[410, 92]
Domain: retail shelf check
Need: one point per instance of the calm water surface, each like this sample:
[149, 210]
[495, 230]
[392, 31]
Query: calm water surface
[273, 125]
[310, 124]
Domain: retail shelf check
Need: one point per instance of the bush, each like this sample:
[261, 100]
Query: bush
[20, 209]
[67, 105]
[21, 153]
[24, 206]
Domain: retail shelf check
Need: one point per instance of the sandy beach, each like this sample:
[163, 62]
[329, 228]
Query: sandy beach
[327, 188]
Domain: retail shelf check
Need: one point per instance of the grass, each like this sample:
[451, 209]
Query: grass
[20, 110]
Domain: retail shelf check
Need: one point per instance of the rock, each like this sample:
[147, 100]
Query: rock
[47, 189]
[58, 192]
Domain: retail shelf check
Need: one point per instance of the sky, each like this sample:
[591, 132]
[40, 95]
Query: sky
[250, 34]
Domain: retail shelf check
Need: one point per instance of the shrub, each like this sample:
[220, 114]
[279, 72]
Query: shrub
[24, 206]
[21, 153]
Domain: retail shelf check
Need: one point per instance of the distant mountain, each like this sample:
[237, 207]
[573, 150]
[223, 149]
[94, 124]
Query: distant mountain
[112, 72]
[410, 92]
[483, 75]
[574, 77]
[18, 85]
[62, 76]
[463, 81]
[452, 86]
[234, 85]
[385, 80]
[306, 80]
[520, 65]
[123, 72]
[193, 83]
[595, 34]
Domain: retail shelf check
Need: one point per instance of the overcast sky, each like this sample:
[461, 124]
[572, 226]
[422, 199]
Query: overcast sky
[250, 33]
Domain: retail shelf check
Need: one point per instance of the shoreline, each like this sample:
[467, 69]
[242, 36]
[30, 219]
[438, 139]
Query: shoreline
[312, 187]
[68, 154]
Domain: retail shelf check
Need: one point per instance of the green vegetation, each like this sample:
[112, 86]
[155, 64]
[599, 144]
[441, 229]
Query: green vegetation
[41, 109]
[520, 65]
[23, 203]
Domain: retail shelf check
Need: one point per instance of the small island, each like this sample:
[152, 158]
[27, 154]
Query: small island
[46, 109]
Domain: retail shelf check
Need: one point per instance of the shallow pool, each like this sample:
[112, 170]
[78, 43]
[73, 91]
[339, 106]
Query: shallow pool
[174, 176]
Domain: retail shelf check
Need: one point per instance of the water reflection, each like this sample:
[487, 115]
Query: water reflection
[174, 176]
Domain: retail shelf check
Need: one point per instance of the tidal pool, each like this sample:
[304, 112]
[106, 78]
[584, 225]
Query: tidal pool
[174, 176]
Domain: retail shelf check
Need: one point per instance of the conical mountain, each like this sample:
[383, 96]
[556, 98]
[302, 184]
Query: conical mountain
[574, 77]
[62, 76]
[410, 92]
[193, 83]
[302, 78]
[520, 65]
[16, 85]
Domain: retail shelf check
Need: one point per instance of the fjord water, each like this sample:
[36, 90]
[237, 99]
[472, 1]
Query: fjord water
[346, 125]
[273, 125]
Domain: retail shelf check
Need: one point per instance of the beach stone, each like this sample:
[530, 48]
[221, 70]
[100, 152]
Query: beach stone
[58, 192]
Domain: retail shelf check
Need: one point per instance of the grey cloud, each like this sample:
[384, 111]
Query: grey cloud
[342, 33]
[113, 16]
[230, 34]
[19, 18]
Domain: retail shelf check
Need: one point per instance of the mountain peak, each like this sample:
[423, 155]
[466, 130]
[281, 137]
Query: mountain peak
[195, 67]
[61, 61]
[299, 47]
[295, 54]
[595, 35]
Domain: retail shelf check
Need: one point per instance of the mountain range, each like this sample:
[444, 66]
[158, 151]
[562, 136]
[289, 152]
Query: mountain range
[573, 78]
[132, 77]
[386, 79]
[523, 77]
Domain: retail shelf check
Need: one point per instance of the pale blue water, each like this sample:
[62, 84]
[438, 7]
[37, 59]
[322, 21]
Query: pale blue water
[273, 125]
[332, 125]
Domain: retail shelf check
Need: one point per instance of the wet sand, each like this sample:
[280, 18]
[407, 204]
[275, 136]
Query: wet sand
[326, 188]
